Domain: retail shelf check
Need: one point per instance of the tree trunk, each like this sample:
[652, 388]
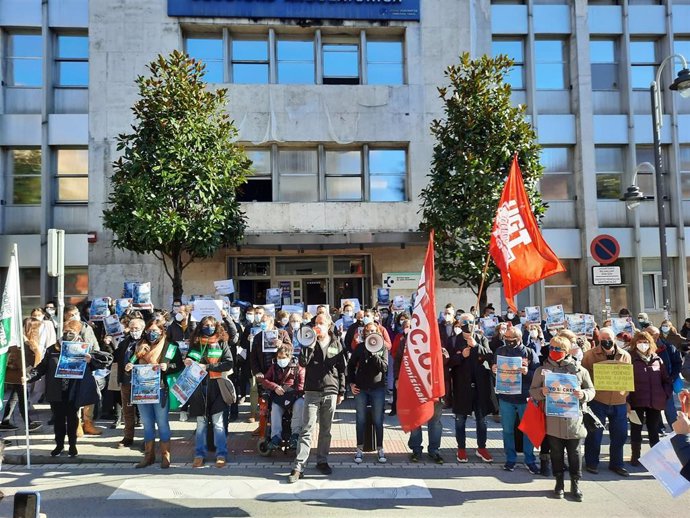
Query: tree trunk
[177, 275]
[482, 300]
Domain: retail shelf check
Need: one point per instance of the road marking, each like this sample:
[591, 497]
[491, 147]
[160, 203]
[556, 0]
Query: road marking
[169, 488]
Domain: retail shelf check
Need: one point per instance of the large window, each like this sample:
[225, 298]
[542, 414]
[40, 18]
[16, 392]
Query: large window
[685, 171]
[344, 175]
[384, 62]
[250, 61]
[603, 54]
[72, 175]
[259, 186]
[76, 284]
[209, 50]
[387, 174]
[299, 175]
[72, 60]
[550, 68]
[514, 49]
[340, 63]
[562, 287]
[24, 174]
[651, 284]
[609, 162]
[24, 60]
[557, 181]
[644, 63]
[295, 61]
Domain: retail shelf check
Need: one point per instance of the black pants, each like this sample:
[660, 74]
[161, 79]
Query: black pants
[650, 417]
[65, 412]
[15, 397]
[245, 373]
[558, 449]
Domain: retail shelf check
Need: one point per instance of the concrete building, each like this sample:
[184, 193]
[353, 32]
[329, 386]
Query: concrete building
[333, 101]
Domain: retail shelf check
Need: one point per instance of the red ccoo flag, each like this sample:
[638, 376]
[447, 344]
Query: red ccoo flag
[420, 383]
[517, 246]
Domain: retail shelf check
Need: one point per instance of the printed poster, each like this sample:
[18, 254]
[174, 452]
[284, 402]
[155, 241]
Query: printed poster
[622, 325]
[576, 323]
[488, 326]
[146, 384]
[203, 308]
[663, 463]
[560, 401]
[270, 339]
[224, 287]
[383, 296]
[555, 316]
[533, 314]
[112, 326]
[100, 308]
[293, 308]
[141, 296]
[274, 296]
[509, 375]
[121, 305]
[187, 382]
[590, 325]
[355, 304]
[72, 362]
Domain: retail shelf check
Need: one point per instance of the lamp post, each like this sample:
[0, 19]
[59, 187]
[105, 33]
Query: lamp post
[633, 197]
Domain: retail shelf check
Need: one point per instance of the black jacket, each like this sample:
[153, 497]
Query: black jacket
[123, 353]
[471, 378]
[176, 334]
[326, 375]
[368, 370]
[207, 399]
[261, 361]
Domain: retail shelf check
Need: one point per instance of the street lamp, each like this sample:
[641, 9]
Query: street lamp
[682, 85]
[633, 196]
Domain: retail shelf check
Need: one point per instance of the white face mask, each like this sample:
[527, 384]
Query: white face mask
[75, 317]
[324, 331]
[257, 317]
[284, 321]
[283, 362]
[457, 330]
[510, 316]
[135, 334]
[665, 329]
[296, 325]
[349, 313]
[50, 311]
[643, 348]
[179, 317]
[250, 317]
[620, 344]
[448, 318]
[534, 334]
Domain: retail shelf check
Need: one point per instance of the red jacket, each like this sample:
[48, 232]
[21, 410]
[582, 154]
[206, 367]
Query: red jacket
[291, 376]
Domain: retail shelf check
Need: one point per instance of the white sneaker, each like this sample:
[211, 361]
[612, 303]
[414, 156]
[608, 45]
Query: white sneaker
[358, 456]
[183, 416]
[382, 456]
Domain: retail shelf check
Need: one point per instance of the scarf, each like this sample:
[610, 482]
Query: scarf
[212, 352]
[155, 350]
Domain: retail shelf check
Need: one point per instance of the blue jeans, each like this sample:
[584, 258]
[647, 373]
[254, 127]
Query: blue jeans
[618, 434]
[377, 399]
[434, 428]
[670, 411]
[219, 437]
[460, 435]
[509, 413]
[153, 415]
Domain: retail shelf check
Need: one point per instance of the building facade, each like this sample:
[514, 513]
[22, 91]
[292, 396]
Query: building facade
[333, 102]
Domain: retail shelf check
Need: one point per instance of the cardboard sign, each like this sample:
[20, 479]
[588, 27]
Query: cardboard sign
[205, 308]
[224, 287]
[294, 308]
[274, 296]
[555, 316]
[616, 377]
[509, 375]
[355, 304]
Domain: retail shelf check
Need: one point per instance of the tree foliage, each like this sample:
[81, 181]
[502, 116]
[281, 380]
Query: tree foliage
[174, 185]
[475, 142]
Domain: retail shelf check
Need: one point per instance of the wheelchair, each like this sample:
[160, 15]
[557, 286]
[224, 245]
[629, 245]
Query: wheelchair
[263, 445]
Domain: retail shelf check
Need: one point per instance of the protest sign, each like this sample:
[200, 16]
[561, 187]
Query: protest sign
[383, 296]
[121, 305]
[488, 326]
[270, 341]
[187, 382]
[274, 296]
[509, 375]
[141, 296]
[72, 361]
[293, 308]
[555, 316]
[112, 326]
[269, 309]
[224, 287]
[622, 325]
[400, 303]
[146, 384]
[206, 308]
[355, 304]
[590, 325]
[614, 376]
[128, 289]
[312, 308]
[663, 463]
[533, 314]
[100, 308]
[576, 323]
[560, 401]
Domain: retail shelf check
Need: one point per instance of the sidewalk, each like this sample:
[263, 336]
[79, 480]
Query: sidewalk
[242, 446]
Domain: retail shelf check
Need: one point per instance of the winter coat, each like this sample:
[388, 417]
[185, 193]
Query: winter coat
[175, 365]
[176, 334]
[676, 339]
[520, 351]
[325, 374]
[291, 376]
[670, 355]
[564, 427]
[471, 379]
[32, 357]
[681, 445]
[368, 370]
[652, 383]
[258, 359]
[598, 355]
[123, 353]
[207, 398]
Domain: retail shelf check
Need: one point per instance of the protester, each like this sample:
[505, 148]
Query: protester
[324, 387]
[652, 389]
[401, 323]
[209, 348]
[666, 339]
[564, 433]
[514, 405]
[254, 316]
[124, 354]
[609, 405]
[685, 330]
[533, 337]
[154, 349]
[643, 321]
[681, 443]
[230, 322]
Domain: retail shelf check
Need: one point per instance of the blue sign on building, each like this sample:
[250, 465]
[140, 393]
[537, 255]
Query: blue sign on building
[299, 9]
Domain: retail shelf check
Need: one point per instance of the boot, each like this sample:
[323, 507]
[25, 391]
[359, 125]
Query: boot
[545, 465]
[575, 489]
[165, 454]
[118, 416]
[149, 455]
[636, 449]
[89, 428]
[80, 429]
[559, 490]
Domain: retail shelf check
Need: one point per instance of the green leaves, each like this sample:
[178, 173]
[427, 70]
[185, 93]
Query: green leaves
[174, 186]
[475, 143]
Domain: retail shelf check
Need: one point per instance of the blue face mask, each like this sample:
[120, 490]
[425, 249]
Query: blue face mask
[250, 317]
[367, 320]
[264, 326]
[153, 336]
[208, 330]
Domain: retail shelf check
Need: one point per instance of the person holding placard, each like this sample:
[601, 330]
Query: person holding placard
[564, 433]
[253, 316]
[607, 404]
[652, 388]
[209, 348]
[669, 347]
[125, 350]
[154, 349]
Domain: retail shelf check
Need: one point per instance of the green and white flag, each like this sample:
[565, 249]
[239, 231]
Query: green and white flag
[10, 319]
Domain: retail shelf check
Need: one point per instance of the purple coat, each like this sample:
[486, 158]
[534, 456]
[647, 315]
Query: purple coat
[652, 383]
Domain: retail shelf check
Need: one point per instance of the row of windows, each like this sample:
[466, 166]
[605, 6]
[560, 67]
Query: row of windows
[293, 60]
[24, 60]
[551, 62]
[76, 286]
[324, 174]
[71, 176]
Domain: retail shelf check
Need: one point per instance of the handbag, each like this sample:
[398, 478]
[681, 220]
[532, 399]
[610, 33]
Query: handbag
[227, 390]
[533, 422]
[591, 421]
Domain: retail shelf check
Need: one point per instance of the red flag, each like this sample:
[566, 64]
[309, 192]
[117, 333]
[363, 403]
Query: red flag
[421, 382]
[517, 246]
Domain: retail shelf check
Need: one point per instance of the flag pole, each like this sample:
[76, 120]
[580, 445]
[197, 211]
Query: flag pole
[18, 331]
[481, 288]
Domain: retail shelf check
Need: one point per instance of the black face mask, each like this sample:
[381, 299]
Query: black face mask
[512, 343]
[606, 344]
[466, 328]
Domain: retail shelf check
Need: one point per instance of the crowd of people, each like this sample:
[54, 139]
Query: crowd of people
[314, 361]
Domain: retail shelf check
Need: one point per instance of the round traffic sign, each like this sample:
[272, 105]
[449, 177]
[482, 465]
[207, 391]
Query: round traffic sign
[605, 249]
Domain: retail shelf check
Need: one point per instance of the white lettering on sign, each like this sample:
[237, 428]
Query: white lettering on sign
[511, 231]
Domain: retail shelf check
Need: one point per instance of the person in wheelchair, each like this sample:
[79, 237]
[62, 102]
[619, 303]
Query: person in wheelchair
[285, 382]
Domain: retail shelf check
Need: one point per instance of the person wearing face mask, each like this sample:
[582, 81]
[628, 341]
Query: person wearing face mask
[230, 324]
[366, 374]
[469, 358]
[356, 337]
[353, 335]
[652, 388]
[51, 314]
[124, 352]
[643, 321]
[209, 348]
[154, 349]
[324, 385]
[512, 406]
[512, 317]
[445, 330]
[402, 323]
[623, 341]
[66, 396]
[673, 361]
[578, 344]
[282, 320]
[347, 318]
[609, 405]
[253, 317]
[565, 434]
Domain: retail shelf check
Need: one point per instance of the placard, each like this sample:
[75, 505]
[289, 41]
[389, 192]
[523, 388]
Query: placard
[269, 309]
[112, 326]
[400, 303]
[224, 287]
[72, 361]
[355, 304]
[122, 305]
[614, 376]
[576, 323]
[187, 382]
[293, 308]
[508, 375]
[128, 289]
[622, 325]
[383, 296]
[204, 308]
[274, 296]
[561, 401]
[99, 309]
[590, 325]
[663, 463]
[311, 308]
[269, 341]
[488, 326]
[141, 296]
[555, 316]
[533, 314]
[146, 384]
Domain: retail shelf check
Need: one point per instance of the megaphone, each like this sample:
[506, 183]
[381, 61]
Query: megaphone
[374, 342]
[305, 336]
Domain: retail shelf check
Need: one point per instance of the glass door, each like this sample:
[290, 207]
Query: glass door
[315, 291]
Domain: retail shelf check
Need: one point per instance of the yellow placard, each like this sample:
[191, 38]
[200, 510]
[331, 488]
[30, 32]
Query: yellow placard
[617, 377]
